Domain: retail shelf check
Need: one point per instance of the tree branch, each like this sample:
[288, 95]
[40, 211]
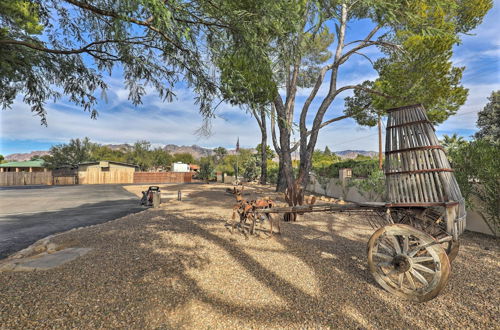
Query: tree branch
[365, 44]
[311, 97]
[328, 122]
[368, 90]
[259, 122]
[85, 49]
[109, 13]
[332, 89]
[273, 129]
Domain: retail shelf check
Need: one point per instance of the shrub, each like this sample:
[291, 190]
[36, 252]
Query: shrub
[477, 171]
[360, 169]
[371, 187]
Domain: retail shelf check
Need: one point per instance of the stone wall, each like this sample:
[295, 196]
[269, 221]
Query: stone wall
[335, 188]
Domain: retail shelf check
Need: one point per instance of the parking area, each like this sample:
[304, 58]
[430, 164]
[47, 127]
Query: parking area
[28, 214]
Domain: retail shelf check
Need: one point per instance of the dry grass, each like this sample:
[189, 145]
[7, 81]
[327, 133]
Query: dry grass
[178, 267]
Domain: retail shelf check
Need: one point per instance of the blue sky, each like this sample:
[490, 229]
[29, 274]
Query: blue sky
[165, 123]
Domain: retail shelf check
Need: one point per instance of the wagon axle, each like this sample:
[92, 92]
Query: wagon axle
[401, 263]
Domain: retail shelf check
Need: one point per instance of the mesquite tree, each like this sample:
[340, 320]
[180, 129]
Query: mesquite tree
[51, 48]
[416, 39]
[290, 51]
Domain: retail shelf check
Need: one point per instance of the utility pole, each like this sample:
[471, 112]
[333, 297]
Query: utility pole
[379, 142]
[237, 151]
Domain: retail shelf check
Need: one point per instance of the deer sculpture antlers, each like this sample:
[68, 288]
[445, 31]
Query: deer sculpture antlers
[246, 211]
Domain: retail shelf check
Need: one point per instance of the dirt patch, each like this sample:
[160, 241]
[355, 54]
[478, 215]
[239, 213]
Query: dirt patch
[179, 267]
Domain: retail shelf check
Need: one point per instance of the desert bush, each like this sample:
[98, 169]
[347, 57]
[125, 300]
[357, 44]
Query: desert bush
[477, 165]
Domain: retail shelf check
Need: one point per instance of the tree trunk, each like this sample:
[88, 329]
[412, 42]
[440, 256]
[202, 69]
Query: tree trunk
[286, 178]
[263, 147]
[281, 184]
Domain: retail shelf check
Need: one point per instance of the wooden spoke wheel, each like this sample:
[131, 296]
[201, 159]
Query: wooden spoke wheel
[408, 262]
[430, 221]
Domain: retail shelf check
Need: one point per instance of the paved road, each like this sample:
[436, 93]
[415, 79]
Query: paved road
[28, 214]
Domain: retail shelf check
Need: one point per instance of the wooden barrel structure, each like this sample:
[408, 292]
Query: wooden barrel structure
[411, 255]
[417, 170]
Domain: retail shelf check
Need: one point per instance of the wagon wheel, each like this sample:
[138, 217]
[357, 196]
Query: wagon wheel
[408, 262]
[430, 221]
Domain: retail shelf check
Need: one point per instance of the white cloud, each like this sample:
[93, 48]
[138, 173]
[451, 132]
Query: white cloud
[127, 126]
[466, 117]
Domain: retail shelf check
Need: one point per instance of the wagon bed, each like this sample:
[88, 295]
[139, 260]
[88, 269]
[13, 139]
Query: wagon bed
[326, 207]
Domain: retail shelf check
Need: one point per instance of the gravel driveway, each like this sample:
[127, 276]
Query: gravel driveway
[28, 214]
[178, 267]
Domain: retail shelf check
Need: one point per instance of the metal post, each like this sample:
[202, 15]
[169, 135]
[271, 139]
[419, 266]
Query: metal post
[179, 195]
[156, 199]
[379, 142]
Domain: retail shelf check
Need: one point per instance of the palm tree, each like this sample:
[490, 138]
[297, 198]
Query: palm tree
[452, 142]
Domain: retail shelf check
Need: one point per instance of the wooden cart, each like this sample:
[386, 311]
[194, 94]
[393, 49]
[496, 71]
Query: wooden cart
[418, 227]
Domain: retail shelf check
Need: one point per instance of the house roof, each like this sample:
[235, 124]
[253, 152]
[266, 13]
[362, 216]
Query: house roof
[29, 163]
[108, 161]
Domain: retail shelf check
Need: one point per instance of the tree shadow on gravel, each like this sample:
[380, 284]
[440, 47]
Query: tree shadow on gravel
[138, 278]
[338, 302]
[360, 303]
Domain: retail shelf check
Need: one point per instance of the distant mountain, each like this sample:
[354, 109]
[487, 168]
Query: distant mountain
[21, 157]
[194, 150]
[121, 147]
[354, 153]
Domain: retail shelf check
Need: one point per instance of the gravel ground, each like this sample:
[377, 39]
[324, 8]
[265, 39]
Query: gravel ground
[178, 267]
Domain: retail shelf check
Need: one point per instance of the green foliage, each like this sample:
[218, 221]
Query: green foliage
[272, 171]
[322, 160]
[75, 152]
[488, 119]
[251, 168]
[23, 14]
[219, 154]
[269, 152]
[360, 168]
[243, 56]
[246, 78]
[184, 157]
[2, 158]
[451, 143]
[140, 155]
[206, 171]
[99, 152]
[52, 47]
[161, 159]
[228, 163]
[78, 151]
[373, 186]
[314, 51]
[419, 69]
[476, 167]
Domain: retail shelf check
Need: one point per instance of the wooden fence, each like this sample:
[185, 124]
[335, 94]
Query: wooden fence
[90, 177]
[97, 176]
[25, 178]
[162, 177]
[64, 176]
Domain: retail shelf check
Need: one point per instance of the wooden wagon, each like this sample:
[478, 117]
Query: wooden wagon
[418, 227]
